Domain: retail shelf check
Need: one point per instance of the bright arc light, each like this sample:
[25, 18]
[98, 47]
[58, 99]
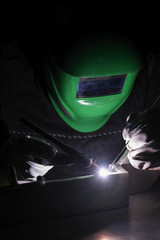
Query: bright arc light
[103, 172]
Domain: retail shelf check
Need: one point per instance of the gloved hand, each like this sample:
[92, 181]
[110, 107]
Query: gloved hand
[30, 156]
[142, 136]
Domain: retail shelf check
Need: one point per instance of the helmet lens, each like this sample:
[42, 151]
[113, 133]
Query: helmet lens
[100, 86]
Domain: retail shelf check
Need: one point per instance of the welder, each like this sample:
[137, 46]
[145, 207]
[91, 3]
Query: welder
[81, 94]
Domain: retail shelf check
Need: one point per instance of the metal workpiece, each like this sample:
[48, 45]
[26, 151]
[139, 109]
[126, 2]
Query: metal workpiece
[43, 200]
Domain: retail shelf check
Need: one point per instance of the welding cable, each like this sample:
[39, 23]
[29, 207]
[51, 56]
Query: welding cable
[77, 156]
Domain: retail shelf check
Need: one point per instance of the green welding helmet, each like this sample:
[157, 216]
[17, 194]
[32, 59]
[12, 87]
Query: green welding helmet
[93, 79]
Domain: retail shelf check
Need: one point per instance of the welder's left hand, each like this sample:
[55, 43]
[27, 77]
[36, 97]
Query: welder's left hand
[30, 157]
[142, 136]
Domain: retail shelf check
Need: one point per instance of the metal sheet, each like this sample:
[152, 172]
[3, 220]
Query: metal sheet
[54, 199]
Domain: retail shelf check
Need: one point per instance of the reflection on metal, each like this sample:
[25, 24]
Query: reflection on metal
[104, 236]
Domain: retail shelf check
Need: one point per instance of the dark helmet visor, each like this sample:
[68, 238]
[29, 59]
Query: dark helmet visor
[100, 86]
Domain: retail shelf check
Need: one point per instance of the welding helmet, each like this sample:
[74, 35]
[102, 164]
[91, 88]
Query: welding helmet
[92, 80]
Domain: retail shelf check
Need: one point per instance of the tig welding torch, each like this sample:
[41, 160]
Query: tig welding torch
[78, 157]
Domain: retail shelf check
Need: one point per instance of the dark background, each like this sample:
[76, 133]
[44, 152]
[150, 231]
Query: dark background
[57, 21]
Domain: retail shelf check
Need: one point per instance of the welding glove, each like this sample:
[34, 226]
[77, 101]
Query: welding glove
[142, 136]
[30, 156]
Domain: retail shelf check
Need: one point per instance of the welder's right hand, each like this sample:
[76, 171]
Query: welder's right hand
[142, 136]
[30, 156]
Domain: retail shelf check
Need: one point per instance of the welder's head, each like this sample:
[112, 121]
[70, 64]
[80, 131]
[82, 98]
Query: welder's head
[93, 78]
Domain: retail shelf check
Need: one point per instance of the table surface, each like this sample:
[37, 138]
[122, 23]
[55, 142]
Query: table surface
[141, 220]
